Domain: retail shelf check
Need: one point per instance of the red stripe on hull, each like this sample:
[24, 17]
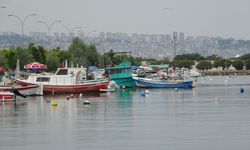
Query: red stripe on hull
[6, 97]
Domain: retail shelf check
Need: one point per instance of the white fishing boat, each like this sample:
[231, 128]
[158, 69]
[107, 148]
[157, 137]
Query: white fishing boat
[65, 80]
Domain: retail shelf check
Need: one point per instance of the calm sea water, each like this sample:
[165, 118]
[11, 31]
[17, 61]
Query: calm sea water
[214, 115]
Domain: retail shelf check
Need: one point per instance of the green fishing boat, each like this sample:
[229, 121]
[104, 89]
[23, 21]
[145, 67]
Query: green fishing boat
[121, 74]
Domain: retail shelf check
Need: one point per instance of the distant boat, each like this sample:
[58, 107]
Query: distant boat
[121, 74]
[65, 80]
[158, 83]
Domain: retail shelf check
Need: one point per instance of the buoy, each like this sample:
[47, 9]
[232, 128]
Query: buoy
[143, 93]
[176, 89]
[216, 99]
[80, 95]
[47, 100]
[67, 97]
[242, 90]
[86, 102]
[146, 91]
[71, 96]
[54, 102]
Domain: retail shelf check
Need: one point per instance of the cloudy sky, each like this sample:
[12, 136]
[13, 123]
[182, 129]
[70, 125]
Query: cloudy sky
[225, 18]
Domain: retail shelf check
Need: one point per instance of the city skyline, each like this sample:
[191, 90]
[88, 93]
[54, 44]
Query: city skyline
[194, 17]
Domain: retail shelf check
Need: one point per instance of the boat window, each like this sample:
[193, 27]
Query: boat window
[62, 72]
[42, 79]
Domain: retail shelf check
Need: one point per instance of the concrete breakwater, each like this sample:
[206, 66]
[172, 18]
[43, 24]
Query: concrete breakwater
[225, 72]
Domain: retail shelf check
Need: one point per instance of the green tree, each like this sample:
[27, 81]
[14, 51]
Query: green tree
[24, 57]
[227, 63]
[37, 52]
[93, 57]
[63, 55]
[238, 64]
[120, 58]
[247, 64]
[204, 65]
[2, 58]
[245, 57]
[52, 61]
[193, 56]
[224, 63]
[9, 56]
[213, 57]
[183, 63]
[83, 54]
[42, 52]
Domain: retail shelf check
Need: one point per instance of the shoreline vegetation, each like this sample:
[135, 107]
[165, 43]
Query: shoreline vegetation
[83, 55]
[225, 72]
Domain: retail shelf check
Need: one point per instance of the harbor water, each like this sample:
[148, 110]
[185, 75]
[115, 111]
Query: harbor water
[214, 115]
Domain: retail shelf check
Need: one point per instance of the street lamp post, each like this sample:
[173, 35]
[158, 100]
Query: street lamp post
[71, 31]
[22, 21]
[49, 26]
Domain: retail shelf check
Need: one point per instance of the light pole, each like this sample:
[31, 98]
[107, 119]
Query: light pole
[71, 31]
[49, 26]
[22, 21]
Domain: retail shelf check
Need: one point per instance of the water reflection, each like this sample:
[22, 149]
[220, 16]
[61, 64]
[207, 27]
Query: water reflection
[125, 97]
[215, 117]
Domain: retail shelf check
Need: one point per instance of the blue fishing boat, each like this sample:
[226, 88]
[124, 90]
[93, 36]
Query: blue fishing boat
[158, 83]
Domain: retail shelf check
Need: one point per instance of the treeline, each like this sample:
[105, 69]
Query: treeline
[206, 63]
[85, 55]
[78, 52]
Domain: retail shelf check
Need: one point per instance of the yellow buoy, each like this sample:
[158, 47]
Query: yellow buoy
[54, 102]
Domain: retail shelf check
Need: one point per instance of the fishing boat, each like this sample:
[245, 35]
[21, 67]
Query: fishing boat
[158, 83]
[121, 74]
[65, 80]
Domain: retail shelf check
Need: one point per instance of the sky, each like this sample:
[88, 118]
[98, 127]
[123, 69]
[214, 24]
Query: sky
[223, 18]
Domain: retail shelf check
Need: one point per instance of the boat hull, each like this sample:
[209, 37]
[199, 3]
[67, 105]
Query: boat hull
[29, 90]
[148, 83]
[125, 82]
[77, 88]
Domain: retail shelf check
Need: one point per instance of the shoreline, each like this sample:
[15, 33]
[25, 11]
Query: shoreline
[226, 72]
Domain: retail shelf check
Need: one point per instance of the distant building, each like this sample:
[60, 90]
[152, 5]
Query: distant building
[181, 37]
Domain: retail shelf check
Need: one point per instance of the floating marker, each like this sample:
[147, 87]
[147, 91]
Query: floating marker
[86, 102]
[143, 93]
[54, 102]
[123, 87]
[80, 95]
[146, 91]
[216, 99]
[176, 89]
[242, 90]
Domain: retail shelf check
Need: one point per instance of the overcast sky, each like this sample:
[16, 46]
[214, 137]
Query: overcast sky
[225, 18]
